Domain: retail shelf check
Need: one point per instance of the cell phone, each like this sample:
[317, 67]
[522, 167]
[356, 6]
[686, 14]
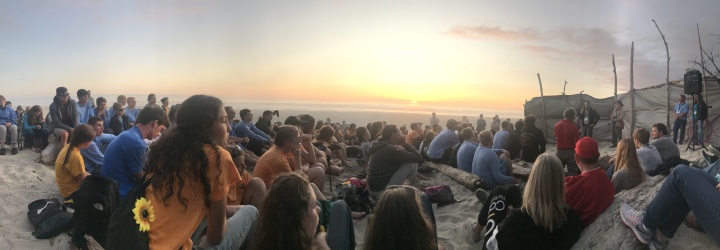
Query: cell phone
[717, 177]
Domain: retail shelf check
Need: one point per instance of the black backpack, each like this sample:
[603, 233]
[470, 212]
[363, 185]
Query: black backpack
[50, 218]
[94, 201]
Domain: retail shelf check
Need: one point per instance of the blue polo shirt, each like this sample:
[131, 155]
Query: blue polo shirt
[126, 155]
[486, 164]
[465, 156]
[500, 138]
[84, 112]
[444, 140]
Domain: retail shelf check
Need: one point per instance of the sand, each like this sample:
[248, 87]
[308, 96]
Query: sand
[25, 180]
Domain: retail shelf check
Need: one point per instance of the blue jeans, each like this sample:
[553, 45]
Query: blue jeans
[238, 233]
[341, 230]
[679, 125]
[698, 131]
[685, 189]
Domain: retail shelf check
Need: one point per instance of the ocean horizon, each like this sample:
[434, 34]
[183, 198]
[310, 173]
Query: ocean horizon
[358, 113]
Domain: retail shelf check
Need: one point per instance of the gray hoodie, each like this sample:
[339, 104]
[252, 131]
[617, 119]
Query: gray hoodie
[385, 160]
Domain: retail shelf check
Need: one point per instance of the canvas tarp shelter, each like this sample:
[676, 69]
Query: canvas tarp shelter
[650, 108]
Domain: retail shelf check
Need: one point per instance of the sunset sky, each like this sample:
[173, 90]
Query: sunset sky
[455, 53]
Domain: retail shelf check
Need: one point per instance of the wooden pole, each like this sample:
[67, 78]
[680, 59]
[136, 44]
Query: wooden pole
[632, 89]
[615, 73]
[542, 99]
[667, 76]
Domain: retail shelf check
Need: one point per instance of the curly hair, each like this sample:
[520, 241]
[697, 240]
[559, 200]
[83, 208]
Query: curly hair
[284, 210]
[325, 133]
[35, 115]
[180, 152]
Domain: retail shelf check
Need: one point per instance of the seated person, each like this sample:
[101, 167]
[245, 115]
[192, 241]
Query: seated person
[537, 220]
[591, 192]
[492, 169]
[532, 140]
[466, 153]
[93, 155]
[69, 166]
[84, 108]
[249, 190]
[627, 170]
[191, 154]
[647, 154]
[276, 161]
[392, 161]
[293, 208]
[412, 227]
[264, 123]
[664, 144]
[131, 111]
[8, 122]
[685, 190]
[324, 142]
[425, 144]
[101, 111]
[416, 135]
[441, 147]
[350, 134]
[63, 116]
[119, 121]
[34, 129]
[125, 157]
[363, 137]
[311, 156]
[246, 128]
[501, 136]
[512, 144]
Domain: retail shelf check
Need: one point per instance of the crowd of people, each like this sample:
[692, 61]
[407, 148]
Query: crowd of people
[238, 183]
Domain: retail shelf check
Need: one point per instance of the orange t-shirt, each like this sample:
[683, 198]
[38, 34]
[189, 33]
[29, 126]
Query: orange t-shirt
[411, 136]
[174, 224]
[272, 163]
[235, 195]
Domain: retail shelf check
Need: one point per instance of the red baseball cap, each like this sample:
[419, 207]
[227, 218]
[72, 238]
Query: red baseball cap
[587, 148]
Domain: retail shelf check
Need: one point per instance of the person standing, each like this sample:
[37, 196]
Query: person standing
[566, 135]
[434, 120]
[681, 110]
[700, 113]
[617, 121]
[481, 123]
[588, 118]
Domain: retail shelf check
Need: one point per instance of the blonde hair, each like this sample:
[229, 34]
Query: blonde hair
[543, 195]
[485, 137]
[626, 157]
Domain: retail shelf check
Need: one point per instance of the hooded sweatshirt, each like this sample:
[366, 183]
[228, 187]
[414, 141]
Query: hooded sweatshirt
[385, 160]
[57, 115]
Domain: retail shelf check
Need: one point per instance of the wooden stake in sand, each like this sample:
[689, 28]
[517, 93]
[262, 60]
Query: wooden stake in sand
[615, 73]
[632, 89]
[702, 60]
[542, 99]
[667, 76]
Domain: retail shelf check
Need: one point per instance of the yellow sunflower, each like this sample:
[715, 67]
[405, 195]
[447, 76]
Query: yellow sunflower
[144, 214]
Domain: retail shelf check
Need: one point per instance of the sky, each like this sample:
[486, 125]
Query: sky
[483, 54]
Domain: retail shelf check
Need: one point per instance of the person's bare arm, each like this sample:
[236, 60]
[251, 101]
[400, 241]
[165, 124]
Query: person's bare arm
[308, 149]
[298, 160]
[217, 221]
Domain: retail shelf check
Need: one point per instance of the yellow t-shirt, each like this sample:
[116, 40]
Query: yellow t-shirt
[236, 192]
[65, 175]
[271, 164]
[174, 224]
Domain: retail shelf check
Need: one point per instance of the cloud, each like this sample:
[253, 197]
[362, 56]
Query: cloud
[484, 32]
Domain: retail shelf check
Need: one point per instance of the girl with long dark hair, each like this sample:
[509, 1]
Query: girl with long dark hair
[69, 165]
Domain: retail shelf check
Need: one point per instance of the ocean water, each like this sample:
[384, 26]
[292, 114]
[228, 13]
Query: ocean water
[358, 113]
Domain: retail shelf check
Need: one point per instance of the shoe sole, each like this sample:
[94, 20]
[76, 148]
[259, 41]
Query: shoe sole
[634, 230]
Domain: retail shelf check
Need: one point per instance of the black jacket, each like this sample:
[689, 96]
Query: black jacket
[385, 160]
[57, 118]
[702, 111]
[593, 115]
[118, 127]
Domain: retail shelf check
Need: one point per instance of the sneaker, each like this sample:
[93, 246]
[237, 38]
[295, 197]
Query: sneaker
[481, 195]
[714, 150]
[469, 223]
[709, 159]
[2, 151]
[13, 151]
[657, 244]
[633, 219]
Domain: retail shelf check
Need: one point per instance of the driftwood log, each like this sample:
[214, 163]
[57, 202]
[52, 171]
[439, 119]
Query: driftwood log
[464, 178]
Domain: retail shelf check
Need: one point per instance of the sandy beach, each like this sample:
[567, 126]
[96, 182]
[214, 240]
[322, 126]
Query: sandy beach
[25, 180]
